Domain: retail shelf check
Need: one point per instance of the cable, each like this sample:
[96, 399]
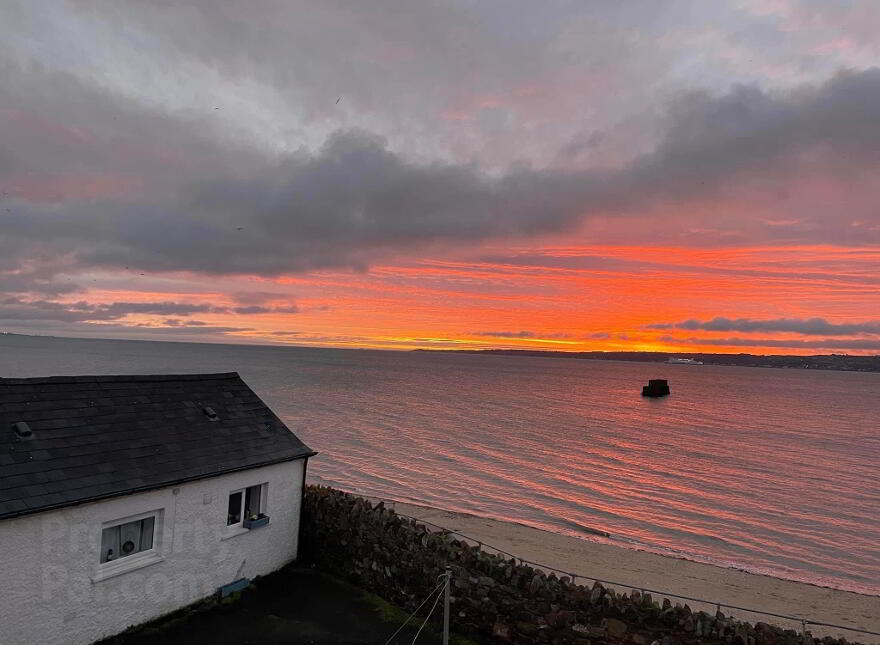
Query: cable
[428, 617]
[390, 638]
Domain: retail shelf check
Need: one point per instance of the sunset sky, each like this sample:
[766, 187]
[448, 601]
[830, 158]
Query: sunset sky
[676, 175]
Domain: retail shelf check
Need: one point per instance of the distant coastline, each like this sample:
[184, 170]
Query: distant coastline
[837, 362]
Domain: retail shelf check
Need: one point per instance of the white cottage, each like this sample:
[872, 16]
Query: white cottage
[123, 498]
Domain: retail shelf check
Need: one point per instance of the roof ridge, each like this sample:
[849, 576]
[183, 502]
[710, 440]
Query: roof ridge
[120, 378]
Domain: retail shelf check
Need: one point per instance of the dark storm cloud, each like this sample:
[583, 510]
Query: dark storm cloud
[355, 200]
[747, 130]
[805, 326]
[111, 161]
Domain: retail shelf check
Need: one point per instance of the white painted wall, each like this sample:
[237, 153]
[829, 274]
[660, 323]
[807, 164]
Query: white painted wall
[48, 560]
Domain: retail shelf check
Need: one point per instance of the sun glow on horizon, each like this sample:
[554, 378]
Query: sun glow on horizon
[567, 298]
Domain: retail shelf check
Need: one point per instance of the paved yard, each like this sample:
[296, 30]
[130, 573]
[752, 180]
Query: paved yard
[290, 607]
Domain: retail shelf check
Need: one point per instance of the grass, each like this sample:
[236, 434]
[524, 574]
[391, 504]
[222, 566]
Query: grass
[395, 616]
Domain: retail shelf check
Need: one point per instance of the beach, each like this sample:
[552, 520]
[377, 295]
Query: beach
[644, 570]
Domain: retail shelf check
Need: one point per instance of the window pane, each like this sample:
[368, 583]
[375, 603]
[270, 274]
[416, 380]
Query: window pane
[110, 544]
[234, 513]
[252, 503]
[127, 539]
[130, 538]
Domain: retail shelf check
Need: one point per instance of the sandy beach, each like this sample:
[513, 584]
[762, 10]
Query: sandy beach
[639, 569]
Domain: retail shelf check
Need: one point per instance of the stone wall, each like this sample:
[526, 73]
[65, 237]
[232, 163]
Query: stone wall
[496, 600]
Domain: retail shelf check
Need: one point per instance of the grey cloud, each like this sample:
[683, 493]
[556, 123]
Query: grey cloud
[805, 326]
[522, 334]
[195, 330]
[353, 201]
[120, 330]
[120, 309]
[400, 67]
[256, 297]
[863, 344]
[176, 322]
[45, 283]
[580, 144]
[507, 334]
[259, 309]
[176, 191]
[15, 308]
[251, 309]
[356, 200]
[710, 137]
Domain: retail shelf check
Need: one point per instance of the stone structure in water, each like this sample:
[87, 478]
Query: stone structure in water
[656, 387]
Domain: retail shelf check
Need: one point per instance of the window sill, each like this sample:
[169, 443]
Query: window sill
[121, 567]
[235, 531]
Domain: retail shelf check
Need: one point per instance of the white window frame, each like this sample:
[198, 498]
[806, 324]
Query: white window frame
[136, 560]
[238, 527]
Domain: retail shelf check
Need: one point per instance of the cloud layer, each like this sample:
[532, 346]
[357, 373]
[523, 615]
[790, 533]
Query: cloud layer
[14, 308]
[354, 200]
[807, 327]
[157, 157]
[827, 344]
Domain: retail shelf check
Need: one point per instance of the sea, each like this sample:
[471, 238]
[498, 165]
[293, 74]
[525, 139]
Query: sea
[771, 471]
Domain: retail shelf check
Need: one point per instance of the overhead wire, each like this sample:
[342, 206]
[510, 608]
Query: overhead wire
[427, 598]
[428, 617]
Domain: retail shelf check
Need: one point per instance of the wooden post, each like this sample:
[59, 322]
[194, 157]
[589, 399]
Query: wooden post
[446, 593]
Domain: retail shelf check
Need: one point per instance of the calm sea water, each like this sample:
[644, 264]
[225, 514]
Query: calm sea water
[773, 471]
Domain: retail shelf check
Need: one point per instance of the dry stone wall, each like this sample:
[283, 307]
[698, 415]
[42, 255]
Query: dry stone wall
[497, 600]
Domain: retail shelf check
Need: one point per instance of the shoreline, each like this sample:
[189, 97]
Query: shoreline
[641, 569]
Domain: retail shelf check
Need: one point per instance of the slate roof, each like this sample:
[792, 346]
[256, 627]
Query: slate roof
[104, 436]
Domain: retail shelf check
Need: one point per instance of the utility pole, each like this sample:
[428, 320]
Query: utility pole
[446, 593]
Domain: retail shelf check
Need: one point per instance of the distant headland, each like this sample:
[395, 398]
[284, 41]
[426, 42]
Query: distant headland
[840, 362]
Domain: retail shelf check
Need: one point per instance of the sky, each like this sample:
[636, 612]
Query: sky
[661, 175]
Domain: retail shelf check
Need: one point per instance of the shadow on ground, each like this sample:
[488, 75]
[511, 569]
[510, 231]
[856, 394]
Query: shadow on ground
[294, 606]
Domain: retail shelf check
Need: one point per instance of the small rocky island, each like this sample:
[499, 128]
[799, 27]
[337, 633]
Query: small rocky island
[656, 387]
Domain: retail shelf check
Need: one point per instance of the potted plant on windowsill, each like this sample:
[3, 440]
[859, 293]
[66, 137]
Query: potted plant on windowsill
[256, 520]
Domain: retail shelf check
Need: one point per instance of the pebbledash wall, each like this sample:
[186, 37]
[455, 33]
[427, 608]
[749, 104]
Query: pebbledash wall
[53, 591]
[495, 599]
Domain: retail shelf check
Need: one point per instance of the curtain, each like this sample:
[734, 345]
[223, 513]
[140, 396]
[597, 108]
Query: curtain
[110, 544]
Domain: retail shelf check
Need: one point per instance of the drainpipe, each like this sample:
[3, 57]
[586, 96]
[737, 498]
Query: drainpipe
[302, 495]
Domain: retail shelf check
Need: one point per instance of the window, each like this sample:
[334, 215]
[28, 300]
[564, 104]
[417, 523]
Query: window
[246, 504]
[124, 540]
